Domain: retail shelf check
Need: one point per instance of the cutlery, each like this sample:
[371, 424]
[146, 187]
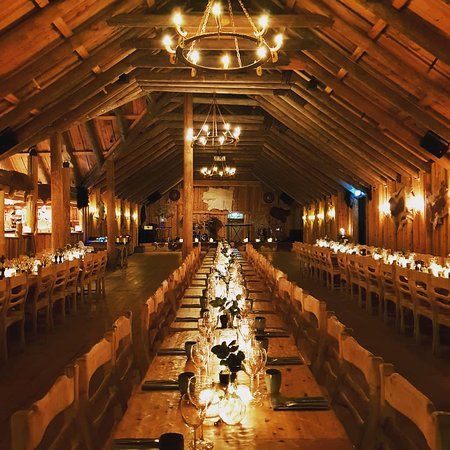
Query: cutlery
[131, 443]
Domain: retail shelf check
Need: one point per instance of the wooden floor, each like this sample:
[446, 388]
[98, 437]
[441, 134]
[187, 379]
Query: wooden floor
[429, 374]
[28, 375]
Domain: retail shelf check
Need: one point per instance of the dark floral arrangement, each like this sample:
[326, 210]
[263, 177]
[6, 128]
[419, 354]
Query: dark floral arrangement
[231, 306]
[229, 355]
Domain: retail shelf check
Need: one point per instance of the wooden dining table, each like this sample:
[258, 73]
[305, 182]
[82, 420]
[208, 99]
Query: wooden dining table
[151, 413]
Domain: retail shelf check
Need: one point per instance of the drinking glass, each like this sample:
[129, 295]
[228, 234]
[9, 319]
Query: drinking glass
[199, 356]
[254, 360]
[193, 416]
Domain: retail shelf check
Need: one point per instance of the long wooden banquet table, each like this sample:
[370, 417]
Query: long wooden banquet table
[151, 413]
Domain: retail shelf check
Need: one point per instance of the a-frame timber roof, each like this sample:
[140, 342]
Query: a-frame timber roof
[357, 84]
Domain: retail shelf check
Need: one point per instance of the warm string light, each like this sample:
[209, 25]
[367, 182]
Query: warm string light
[187, 48]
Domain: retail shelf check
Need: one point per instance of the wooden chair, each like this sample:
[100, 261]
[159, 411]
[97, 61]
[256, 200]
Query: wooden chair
[283, 296]
[440, 296]
[374, 286]
[99, 403]
[52, 422]
[84, 280]
[4, 304]
[405, 299]
[331, 270]
[353, 273]
[95, 276]
[102, 273]
[361, 275]
[358, 393]
[58, 292]
[329, 371]
[387, 275]
[409, 421]
[40, 300]
[344, 276]
[125, 370]
[72, 284]
[420, 288]
[310, 335]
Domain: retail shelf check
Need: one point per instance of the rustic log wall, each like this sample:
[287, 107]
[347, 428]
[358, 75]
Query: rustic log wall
[247, 198]
[418, 234]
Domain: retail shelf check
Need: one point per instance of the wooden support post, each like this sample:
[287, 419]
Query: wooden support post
[33, 172]
[2, 224]
[60, 227]
[111, 222]
[188, 176]
[66, 199]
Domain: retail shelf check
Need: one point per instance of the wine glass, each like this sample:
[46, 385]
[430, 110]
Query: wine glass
[201, 393]
[193, 416]
[199, 356]
[254, 360]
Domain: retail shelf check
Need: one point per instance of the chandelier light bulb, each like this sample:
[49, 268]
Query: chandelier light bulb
[177, 19]
[217, 9]
[221, 139]
[227, 126]
[202, 140]
[237, 132]
[205, 128]
[263, 21]
[225, 61]
[194, 56]
[278, 39]
[221, 173]
[261, 52]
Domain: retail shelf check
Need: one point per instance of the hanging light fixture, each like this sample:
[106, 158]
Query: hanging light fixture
[218, 168]
[215, 132]
[247, 50]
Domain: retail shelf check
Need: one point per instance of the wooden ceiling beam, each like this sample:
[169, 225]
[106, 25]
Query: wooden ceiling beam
[225, 101]
[331, 151]
[342, 145]
[73, 159]
[191, 21]
[327, 104]
[289, 45]
[363, 147]
[412, 26]
[95, 142]
[380, 86]
[419, 82]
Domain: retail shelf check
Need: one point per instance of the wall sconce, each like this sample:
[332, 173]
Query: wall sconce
[415, 203]
[245, 240]
[311, 217]
[342, 231]
[385, 208]
[257, 240]
[331, 213]
[320, 216]
[127, 215]
[304, 217]
[135, 217]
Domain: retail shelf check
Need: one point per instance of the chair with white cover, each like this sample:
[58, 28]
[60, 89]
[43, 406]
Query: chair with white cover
[409, 421]
[358, 393]
[99, 403]
[374, 286]
[52, 422]
[440, 295]
[84, 280]
[125, 369]
[283, 295]
[310, 333]
[344, 277]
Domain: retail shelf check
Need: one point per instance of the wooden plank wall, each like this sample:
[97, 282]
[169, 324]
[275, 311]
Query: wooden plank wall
[417, 235]
[247, 198]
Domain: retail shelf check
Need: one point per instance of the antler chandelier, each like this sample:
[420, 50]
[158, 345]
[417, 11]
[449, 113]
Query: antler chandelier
[218, 168]
[215, 132]
[246, 50]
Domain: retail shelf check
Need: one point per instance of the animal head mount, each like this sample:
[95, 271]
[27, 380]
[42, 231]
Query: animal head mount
[437, 206]
[399, 211]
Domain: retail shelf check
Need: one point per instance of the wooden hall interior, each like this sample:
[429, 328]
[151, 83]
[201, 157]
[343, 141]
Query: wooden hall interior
[311, 135]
